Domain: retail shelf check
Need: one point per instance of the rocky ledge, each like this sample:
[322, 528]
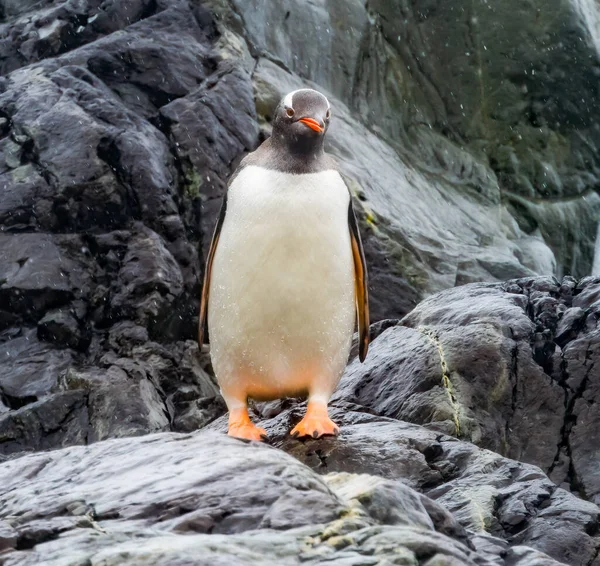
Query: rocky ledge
[204, 498]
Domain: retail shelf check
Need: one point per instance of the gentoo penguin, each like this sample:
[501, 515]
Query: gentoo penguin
[285, 276]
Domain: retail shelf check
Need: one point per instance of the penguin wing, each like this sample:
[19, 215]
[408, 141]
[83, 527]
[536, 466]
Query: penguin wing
[361, 284]
[208, 269]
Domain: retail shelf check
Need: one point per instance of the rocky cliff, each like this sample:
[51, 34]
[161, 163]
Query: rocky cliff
[468, 134]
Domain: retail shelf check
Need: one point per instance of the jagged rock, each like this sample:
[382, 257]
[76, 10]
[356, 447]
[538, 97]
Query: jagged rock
[56, 420]
[220, 115]
[119, 402]
[149, 280]
[37, 272]
[56, 27]
[100, 234]
[29, 369]
[62, 327]
[225, 500]
[496, 499]
[497, 365]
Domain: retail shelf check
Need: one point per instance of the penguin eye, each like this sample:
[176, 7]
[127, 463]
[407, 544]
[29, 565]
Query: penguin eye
[290, 112]
[328, 115]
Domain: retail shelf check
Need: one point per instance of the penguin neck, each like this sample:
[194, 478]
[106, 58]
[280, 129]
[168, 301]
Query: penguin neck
[300, 149]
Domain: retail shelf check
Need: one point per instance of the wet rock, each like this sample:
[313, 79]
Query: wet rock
[485, 492]
[51, 28]
[29, 369]
[119, 403]
[61, 327]
[149, 279]
[509, 367]
[459, 368]
[57, 420]
[226, 500]
[36, 274]
[8, 537]
[99, 242]
[221, 115]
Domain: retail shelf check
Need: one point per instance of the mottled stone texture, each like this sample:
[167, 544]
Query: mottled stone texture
[468, 135]
[119, 123]
[208, 499]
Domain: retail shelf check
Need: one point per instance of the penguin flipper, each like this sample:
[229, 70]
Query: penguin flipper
[208, 269]
[361, 284]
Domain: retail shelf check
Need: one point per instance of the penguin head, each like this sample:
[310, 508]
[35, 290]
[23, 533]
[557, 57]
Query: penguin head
[302, 118]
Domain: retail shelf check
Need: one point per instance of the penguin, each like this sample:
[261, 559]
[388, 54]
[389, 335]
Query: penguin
[285, 282]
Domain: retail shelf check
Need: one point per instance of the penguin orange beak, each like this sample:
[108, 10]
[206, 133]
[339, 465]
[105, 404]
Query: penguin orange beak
[312, 124]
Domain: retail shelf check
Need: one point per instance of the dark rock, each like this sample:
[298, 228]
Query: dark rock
[8, 537]
[57, 420]
[508, 367]
[485, 492]
[100, 243]
[55, 27]
[119, 402]
[36, 274]
[29, 369]
[149, 279]
[61, 327]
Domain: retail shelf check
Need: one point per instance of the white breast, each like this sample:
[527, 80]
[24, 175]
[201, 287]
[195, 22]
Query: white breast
[282, 299]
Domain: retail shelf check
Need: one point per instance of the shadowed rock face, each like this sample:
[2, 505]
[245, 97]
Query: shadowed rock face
[471, 159]
[103, 178]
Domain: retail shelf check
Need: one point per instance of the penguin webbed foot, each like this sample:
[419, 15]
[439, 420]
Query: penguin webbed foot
[240, 426]
[316, 423]
[248, 432]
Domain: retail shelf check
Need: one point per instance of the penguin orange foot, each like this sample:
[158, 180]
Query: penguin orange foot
[316, 422]
[240, 426]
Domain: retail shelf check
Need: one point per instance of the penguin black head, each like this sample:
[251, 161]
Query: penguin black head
[301, 120]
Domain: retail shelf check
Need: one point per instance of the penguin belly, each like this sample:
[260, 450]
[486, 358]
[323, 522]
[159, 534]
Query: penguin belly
[281, 309]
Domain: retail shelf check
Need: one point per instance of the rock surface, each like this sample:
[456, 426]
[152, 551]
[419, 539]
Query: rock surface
[210, 499]
[512, 367]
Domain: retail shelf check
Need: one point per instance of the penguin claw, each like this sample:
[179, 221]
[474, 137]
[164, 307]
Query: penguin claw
[248, 432]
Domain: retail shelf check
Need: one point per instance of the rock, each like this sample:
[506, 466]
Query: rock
[62, 327]
[509, 367]
[118, 404]
[99, 235]
[149, 280]
[37, 274]
[56, 420]
[209, 494]
[457, 370]
[487, 493]
[29, 369]
[8, 537]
